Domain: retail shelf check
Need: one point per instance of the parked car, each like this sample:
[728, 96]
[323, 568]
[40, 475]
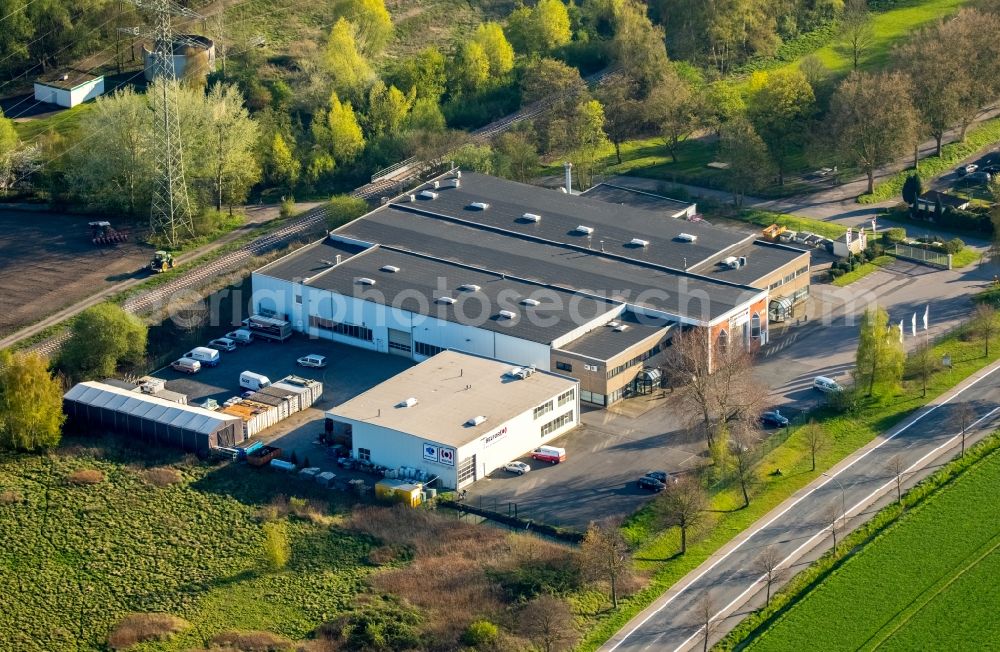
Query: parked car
[550, 454]
[312, 360]
[651, 484]
[206, 356]
[991, 169]
[827, 385]
[966, 169]
[222, 344]
[661, 476]
[186, 365]
[774, 419]
[520, 468]
[253, 381]
[240, 336]
[979, 177]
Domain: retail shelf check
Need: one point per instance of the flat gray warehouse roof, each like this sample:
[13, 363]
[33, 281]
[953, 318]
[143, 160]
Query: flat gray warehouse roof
[763, 258]
[625, 196]
[673, 292]
[607, 341]
[561, 214]
[451, 388]
[311, 260]
[425, 286]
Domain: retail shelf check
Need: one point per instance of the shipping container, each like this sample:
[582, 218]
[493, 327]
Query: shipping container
[290, 398]
[279, 405]
[256, 417]
[398, 492]
[326, 478]
[309, 390]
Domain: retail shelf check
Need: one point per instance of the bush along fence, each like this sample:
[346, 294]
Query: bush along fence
[798, 587]
[512, 520]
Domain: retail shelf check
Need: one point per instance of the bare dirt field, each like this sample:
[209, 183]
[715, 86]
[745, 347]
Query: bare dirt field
[47, 262]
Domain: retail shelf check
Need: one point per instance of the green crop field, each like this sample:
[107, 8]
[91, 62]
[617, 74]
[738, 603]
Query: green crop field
[76, 558]
[927, 583]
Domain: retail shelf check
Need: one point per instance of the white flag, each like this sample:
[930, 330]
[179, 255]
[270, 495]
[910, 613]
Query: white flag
[900, 331]
[913, 325]
[927, 310]
[874, 229]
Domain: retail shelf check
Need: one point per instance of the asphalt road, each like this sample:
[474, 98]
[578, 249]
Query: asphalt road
[731, 581]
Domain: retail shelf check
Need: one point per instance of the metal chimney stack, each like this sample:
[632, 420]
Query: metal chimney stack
[569, 177]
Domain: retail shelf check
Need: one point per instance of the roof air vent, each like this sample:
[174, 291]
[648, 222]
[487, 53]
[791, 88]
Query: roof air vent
[614, 324]
[530, 302]
[475, 421]
[621, 328]
[458, 174]
[364, 280]
[587, 230]
[392, 269]
[445, 300]
[437, 184]
[413, 198]
[427, 194]
[507, 314]
[687, 237]
[410, 402]
[479, 205]
[457, 183]
[639, 242]
[531, 217]
[469, 287]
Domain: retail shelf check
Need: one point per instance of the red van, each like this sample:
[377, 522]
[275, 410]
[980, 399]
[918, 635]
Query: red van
[550, 454]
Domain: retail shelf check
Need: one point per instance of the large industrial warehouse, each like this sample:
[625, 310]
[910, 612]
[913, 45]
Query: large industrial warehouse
[457, 417]
[529, 276]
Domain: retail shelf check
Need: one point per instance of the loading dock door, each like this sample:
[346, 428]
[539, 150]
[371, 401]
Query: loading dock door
[400, 343]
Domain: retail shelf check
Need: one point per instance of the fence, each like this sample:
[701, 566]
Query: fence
[921, 255]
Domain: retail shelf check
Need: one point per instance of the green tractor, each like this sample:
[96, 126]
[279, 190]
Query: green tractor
[162, 261]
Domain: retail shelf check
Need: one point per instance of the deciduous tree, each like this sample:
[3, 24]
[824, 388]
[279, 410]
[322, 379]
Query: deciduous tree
[283, 167]
[923, 362]
[515, 156]
[373, 25]
[346, 139]
[497, 48]
[638, 45]
[683, 504]
[872, 120]
[424, 72]
[673, 105]
[230, 153]
[750, 166]
[857, 30]
[590, 140]
[743, 460]
[31, 413]
[548, 623]
[768, 564]
[470, 69]
[605, 555]
[623, 118]
[540, 29]
[347, 66]
[939, 77]
[880, 356]
[816, 439]
[781, 108]
[387, 110]
[103, 339]
[897, 469]
[984, 325]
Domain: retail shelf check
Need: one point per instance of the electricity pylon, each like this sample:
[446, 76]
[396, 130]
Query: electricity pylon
[170, 212]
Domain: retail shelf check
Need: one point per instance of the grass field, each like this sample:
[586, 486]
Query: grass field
[862, 271]
[76, 558]
[657, 548]
[927, 583]
[792, 222]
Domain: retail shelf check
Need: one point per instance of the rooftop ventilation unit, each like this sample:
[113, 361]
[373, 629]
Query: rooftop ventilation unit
[521, 372]
[410, 402]
[437, 184]
[479, 205]
[732, 262]
[458, 174]
[687, 237]
[475, 421]
[639, 242]
[507, 314]
[614, 324]
[530, 302]
[392, 269]
[427, 194]
[364, 280]
[457, 183]
[531, 217]
[446, 300]
[621, 328]
[586, 230]
[469, 287]
[413, 198]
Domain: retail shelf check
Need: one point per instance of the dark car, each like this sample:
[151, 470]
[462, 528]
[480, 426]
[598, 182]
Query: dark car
[651, 484]
[991, 169]
[774, 419]
[662, 476]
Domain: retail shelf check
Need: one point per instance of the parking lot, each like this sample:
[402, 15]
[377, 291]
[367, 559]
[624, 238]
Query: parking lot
[605, 456]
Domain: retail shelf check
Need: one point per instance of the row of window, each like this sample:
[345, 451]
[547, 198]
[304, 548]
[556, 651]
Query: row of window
[399, 346]
[557, 423]
[427, 349]
[350, 330]
[543, 409]
[563, 366]
[565, 397]
[788, 279]
[633, 362]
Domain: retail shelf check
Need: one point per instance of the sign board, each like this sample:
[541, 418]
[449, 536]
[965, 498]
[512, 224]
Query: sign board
[446, 455]
[489, 440]
[430, 452]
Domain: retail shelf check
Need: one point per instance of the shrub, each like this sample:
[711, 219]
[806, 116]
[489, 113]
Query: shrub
[836, 272]
[277, 549]
[138, 628]
[481, 633]
[161, 476]
[253, 642]
[10, 498]
[85, 477]
[287, 207]
[381, 625]
[954, 245]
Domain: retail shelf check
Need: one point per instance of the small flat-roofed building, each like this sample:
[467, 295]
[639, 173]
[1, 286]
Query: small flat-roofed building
[68, 88]
[457, 417]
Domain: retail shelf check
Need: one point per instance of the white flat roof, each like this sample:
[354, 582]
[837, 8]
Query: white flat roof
[450, 389]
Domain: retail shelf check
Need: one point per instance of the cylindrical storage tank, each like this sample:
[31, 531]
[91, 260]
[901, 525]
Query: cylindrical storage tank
[282, 465]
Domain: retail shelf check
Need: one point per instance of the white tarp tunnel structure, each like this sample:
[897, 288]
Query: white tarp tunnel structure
[149, 418]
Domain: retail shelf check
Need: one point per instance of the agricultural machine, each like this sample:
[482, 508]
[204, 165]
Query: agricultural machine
[102, 233]
[162, 261]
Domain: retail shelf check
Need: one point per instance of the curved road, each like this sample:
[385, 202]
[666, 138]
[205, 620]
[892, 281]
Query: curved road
[730, 583]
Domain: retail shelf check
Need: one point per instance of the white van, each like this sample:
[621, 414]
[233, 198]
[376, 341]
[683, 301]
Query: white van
[254, 382]
[186, 365]
[827, 385]
[204, 355]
